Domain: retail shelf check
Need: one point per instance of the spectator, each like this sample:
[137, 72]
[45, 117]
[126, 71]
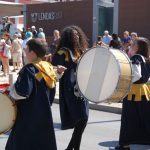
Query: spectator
[106, 38]
[16, 50]
[56, 38]
[41, 34]
[34, 31]
[134, 37]
[126, 41]
[115, 42]
[99, 42]
[5, 54]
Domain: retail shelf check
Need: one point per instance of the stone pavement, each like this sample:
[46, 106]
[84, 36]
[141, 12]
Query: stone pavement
[107, 107]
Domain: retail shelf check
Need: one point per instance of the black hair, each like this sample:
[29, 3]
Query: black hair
[69, 40]
[114, 36]
[99, 38]
[38, 46]
[143, 47]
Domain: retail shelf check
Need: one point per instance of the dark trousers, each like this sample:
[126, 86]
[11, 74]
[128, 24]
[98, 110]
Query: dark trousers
[77, 135]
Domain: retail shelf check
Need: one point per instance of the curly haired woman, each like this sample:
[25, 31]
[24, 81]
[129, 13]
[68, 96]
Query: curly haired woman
[73, 108]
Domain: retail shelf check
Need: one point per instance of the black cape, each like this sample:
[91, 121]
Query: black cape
[72, 108]
[33, 129]
[135, 120]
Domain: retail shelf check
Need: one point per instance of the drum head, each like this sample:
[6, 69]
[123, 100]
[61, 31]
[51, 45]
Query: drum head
[7, 113]
[97, 74]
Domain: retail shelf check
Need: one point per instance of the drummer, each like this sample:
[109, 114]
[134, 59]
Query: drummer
[73, 108]
[135, 121]
[33, 93]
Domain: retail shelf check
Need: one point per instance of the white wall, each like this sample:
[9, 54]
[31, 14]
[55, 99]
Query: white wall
[116, 15]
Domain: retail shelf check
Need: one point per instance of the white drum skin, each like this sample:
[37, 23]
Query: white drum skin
[104, 74]
[7, 113]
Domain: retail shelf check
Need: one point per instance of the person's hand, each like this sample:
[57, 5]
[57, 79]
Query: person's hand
[6, 91]
[60, 69]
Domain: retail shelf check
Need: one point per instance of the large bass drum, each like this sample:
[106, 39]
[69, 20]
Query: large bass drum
[8, 112]
[104, 74]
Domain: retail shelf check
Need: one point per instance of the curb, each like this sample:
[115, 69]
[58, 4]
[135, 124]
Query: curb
[106, 107]
[111, 108]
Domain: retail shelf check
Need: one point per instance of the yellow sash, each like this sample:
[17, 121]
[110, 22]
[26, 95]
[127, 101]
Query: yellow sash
[46, 72]
[139, 90]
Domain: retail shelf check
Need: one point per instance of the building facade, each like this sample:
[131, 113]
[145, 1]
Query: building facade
[133, 16]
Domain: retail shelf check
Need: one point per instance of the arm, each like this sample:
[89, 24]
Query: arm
[23, 87]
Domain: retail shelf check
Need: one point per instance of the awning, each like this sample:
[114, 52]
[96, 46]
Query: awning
[10, 9]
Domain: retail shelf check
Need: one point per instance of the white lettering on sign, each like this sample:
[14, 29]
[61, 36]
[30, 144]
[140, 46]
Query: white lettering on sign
[45, 16]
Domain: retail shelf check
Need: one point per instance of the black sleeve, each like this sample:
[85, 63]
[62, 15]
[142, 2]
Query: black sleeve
[24, 83]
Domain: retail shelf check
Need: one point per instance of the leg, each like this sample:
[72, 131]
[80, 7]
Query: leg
[18, 65]
[7, 65]
[4, 66]
[14, 65]
[77, 135]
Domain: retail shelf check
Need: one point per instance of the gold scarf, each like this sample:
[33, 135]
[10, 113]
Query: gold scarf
[46, 72]
[139, 90]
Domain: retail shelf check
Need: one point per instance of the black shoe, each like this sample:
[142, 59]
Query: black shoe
[122, 148]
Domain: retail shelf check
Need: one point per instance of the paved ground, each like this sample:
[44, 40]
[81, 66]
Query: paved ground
[101, 133]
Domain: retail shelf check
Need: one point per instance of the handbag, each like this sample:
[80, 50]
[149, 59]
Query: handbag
[7, 52]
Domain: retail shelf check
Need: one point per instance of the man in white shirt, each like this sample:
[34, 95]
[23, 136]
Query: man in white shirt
[41, 34]
[106, 38]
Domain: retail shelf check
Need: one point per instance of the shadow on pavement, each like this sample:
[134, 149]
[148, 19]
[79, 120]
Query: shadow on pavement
[108, 143]
[107, 121]
[111, 145]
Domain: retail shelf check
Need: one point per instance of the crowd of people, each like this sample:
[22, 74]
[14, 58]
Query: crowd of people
[12, 47]
[35, 86]
[114, 41]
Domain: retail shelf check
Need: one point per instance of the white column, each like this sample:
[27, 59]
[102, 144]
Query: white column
[25, 15]
[95, 20]
[16, 19]
[116, 15]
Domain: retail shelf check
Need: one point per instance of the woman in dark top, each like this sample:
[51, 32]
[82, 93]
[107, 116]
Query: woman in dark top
[135, 121]
[73, 108]
[115, 42]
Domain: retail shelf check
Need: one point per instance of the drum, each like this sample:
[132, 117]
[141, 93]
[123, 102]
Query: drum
[7, 113]
[104, 74]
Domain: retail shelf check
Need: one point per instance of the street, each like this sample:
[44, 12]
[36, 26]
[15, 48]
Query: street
[102, 132]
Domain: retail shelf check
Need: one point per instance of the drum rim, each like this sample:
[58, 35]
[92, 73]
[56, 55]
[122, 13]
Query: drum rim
[130, 83]
[131, 75]
[13, 121]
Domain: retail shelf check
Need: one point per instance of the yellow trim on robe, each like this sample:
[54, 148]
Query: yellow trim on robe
[39, 76]
[46, 72]
[61, 52]
[139, 90]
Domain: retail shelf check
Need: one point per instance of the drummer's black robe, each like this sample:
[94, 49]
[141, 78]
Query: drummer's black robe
[135, 121]
[72, 108]
[33, 129]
